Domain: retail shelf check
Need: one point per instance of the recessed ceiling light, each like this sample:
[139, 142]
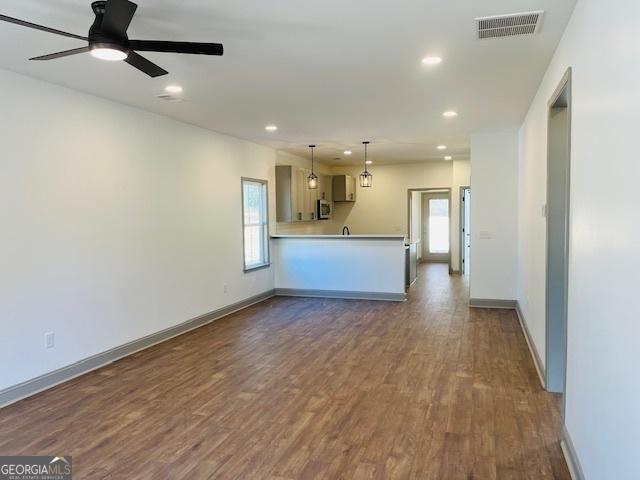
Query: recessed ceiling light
[448, 157]
[369, 162]
[173, 89]
[271, 128]
[109, 54]
[441, 147]
[450, 113]
[347, 152]
[431, 60]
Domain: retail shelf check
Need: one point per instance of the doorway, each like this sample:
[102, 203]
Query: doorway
[557, 215]
[417, 218]
[436, 227]
[465, 230]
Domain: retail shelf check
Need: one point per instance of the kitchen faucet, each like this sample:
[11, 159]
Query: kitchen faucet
[347, 229]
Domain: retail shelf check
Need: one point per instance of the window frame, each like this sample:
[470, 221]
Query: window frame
[267, 246]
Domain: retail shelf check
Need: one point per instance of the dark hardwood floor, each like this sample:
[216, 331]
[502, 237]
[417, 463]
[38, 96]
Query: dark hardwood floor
[297, 388]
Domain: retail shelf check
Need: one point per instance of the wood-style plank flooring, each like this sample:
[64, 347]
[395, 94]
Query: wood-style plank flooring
[297, 388]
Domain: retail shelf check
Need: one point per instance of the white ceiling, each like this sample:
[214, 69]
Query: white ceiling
[329, 72]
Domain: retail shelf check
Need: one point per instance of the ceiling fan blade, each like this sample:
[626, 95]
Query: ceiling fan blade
[145, 65]
[117, 17]
[193, 48]
[66, 53]
[16, 21]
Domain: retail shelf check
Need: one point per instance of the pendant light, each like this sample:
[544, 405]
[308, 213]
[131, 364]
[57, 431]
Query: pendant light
[366, 179]
[312, 179]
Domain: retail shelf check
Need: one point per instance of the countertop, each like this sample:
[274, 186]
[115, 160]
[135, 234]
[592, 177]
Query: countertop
[346, 237]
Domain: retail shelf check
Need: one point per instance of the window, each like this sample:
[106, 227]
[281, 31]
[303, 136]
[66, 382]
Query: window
[255, 223]
[438, 225]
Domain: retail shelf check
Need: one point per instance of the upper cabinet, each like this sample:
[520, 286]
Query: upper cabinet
[344, 188]
[295, 202]
[308, 199]
[325, 187]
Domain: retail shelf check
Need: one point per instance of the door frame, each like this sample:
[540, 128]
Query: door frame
[462, 232]
[445, 190]
[563, 88]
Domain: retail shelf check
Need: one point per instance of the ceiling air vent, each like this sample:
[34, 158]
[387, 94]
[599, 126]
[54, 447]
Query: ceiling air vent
[526, 23]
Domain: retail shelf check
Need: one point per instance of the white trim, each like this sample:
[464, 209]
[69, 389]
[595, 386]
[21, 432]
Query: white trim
[571, 456]
[532, 347]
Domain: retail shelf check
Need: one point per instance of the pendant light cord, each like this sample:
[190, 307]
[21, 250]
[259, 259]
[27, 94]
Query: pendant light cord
[365, 157]
[312, 147]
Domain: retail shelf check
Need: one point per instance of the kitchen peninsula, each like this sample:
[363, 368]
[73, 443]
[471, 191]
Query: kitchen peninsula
[342, 266]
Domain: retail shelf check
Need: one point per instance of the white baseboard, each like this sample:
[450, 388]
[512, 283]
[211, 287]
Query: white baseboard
[532, 347]
[570, 455]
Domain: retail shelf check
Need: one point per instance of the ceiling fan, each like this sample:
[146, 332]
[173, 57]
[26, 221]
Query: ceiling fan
[108, 40]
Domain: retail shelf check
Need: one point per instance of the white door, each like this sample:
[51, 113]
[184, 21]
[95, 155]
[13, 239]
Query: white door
[466, 232]
[435, 227]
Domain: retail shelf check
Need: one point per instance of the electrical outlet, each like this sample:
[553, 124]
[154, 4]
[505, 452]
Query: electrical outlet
[49, 340]
[225, 288]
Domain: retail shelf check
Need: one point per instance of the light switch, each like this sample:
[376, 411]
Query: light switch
[485, 235]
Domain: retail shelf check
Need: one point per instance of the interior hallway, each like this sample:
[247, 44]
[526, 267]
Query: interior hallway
[298, 388]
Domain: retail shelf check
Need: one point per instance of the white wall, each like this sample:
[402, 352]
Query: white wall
[384, 207]
[494, 214]
[603, 385]
[117, 223]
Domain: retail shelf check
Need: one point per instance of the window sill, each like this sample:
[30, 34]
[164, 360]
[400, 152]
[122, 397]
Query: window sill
[257, 267]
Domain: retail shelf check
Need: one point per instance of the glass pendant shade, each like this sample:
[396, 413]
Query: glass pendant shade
[366, 179]
[312, 179]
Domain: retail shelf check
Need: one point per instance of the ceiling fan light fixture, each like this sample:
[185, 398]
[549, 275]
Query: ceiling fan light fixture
[108, 40]
[109, 54]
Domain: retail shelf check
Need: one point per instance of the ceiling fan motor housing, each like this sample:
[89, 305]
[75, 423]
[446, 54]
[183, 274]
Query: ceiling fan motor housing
[108, 40]
[98, 38]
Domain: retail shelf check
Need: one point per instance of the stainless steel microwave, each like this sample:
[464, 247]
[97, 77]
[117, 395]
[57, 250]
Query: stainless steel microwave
[324, 210]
